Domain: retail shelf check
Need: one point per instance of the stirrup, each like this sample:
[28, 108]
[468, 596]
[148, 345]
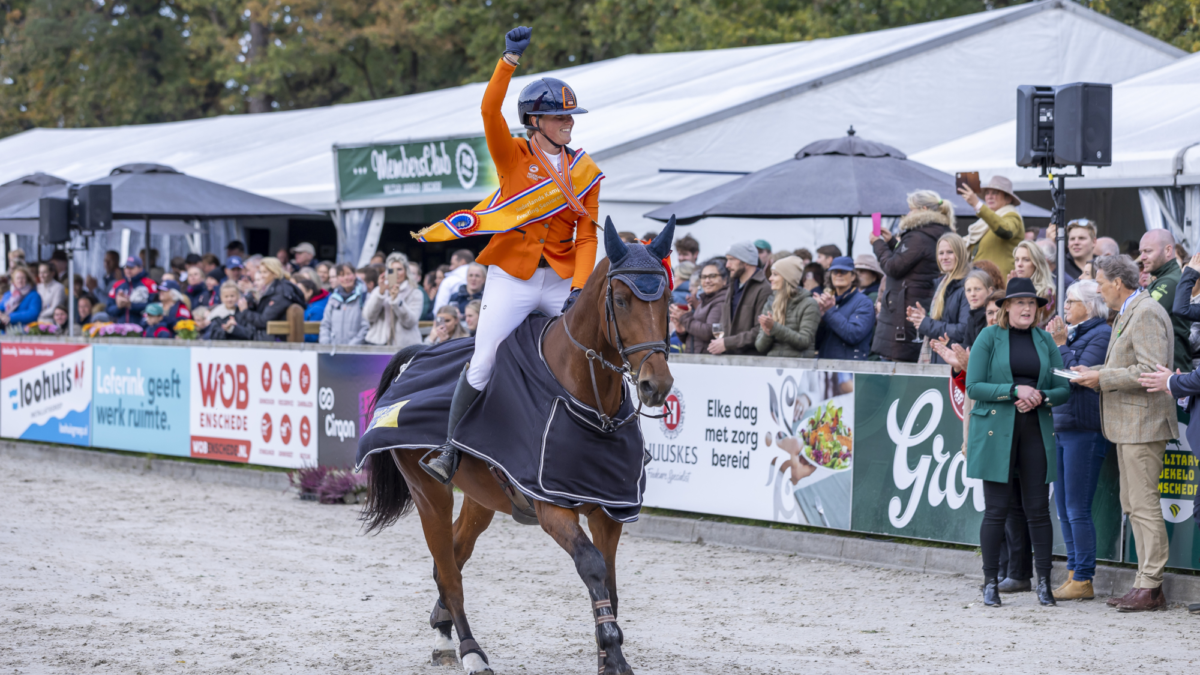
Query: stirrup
[454, 456]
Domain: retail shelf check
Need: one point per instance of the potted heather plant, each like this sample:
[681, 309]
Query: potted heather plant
[343, 487]
[41, 328]
[308, 480]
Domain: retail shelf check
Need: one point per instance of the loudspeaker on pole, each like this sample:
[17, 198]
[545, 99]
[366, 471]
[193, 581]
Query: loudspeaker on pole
[54, 220]
[94, 207]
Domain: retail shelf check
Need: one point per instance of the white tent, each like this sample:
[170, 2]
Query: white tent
[1156, 136]
[1156, 149]
[724, 110]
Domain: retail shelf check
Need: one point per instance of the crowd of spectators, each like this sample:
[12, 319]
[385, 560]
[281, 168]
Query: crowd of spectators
[202, 297]
[983, 302]
[1129, 329]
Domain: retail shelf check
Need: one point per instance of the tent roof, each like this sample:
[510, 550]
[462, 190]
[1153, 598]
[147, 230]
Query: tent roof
[1156, 137]
[286, 155]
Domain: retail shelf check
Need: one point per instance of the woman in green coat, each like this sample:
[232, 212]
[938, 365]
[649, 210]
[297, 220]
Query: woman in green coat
[1011, 447]
[788, 323]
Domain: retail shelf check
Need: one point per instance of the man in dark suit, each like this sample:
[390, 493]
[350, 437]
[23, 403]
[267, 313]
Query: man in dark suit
[1181, 385]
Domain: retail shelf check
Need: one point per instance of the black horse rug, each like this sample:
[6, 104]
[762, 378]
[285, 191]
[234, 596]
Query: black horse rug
[549, 445]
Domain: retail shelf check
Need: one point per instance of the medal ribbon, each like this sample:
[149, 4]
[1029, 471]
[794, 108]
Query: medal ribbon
[561, 178]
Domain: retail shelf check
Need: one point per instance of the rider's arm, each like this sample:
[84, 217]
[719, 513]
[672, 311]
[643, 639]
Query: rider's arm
[585, 238]
[501, 144]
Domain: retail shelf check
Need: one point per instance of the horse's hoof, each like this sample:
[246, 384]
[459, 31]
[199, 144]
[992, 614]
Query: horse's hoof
[445, 657]
[476, 665]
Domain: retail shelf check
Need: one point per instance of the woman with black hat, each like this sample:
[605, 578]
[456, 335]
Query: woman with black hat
[1010, 378]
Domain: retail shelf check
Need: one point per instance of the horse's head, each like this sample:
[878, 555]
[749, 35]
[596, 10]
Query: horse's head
[636, 309]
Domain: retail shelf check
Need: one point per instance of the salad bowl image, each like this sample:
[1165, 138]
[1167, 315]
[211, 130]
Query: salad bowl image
[827, 440]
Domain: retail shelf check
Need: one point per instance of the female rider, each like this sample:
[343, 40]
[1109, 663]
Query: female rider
[544, 263]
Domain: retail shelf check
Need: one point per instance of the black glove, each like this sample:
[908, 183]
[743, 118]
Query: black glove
[517, 40]
[570, 300]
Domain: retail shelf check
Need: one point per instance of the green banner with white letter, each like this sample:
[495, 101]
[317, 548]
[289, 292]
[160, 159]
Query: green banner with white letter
[440, 170]
[910, 476]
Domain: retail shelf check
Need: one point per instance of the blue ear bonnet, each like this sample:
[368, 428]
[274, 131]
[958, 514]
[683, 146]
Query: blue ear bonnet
[640, 266]
[642, 272]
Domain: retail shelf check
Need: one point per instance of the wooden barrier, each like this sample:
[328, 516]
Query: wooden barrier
[295, 327]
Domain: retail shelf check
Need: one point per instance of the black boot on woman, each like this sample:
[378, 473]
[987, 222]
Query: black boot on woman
[991, 592]
[1044, 595]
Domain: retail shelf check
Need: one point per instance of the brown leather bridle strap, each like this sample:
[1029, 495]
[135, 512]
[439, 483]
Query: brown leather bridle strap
[612, 332]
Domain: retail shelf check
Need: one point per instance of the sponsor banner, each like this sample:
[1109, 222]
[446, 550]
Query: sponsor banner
[452, 169]
[346, 388]
[1177, 485]
[750, 442]
[47, 392]
[253, 405]
[911, 477]
[141, 403]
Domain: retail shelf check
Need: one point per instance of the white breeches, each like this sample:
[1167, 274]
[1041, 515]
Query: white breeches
[507, 300]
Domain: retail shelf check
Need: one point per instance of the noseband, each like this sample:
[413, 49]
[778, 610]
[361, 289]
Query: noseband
[612, 331]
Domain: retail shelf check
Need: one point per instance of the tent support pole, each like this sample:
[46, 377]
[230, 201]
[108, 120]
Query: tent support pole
[850, 236]
[149, 265]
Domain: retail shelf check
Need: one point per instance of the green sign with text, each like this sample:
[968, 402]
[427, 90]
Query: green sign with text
[910, 477]
[440, 170]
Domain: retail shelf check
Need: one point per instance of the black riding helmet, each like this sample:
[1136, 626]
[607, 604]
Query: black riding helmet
[546, 96]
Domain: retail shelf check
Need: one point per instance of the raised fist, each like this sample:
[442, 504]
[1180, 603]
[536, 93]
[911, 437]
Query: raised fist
[517, 40]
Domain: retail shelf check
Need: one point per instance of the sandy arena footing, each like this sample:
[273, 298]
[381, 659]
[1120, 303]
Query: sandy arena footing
[107, 571]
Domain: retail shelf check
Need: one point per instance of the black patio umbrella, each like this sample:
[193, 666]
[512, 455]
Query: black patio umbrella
[837, 178]
[25, 191]
[34, 186]
[145, 191]
[158, 191]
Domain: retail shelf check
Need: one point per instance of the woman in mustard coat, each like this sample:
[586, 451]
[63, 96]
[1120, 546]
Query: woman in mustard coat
[1011, 439]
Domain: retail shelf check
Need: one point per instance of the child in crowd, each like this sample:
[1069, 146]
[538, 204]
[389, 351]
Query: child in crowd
[152, 322]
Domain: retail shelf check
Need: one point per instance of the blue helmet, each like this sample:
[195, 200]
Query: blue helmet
[546, 96]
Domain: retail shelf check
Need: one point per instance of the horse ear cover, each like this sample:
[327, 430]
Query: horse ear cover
[614, 248]
[661, 246]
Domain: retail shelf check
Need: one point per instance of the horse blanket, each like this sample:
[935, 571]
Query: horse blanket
[550, 445]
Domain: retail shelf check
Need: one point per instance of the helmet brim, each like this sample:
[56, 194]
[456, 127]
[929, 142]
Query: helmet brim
[572, 111]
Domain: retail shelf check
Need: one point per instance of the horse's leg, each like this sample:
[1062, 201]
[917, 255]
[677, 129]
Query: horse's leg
[563, 525]
[606, 534]
[472, 520]
[435, 504]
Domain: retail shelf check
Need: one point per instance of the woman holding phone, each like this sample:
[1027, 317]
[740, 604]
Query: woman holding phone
[447, 325]
[393, 309]
[1000, 226]
[694, 324]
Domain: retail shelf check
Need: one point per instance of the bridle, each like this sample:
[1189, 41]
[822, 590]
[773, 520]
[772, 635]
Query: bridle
[612, 331]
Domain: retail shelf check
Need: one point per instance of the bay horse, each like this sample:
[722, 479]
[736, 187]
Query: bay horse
[607, 316]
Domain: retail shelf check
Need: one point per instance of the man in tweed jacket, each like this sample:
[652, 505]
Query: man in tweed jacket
[1138, 422]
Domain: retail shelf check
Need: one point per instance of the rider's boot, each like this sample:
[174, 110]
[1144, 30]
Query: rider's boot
[445, 464]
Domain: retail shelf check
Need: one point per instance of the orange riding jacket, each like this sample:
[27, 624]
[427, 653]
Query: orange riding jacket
[566, 239]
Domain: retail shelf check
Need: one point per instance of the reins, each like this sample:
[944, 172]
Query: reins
[612, 331]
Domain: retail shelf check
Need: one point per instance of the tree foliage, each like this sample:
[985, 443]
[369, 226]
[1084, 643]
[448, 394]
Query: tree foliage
[81, 63]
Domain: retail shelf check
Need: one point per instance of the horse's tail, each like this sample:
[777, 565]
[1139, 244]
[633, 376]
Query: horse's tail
[388, 497]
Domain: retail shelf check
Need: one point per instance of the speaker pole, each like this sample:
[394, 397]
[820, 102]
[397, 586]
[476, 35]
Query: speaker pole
[70, 290]
[1059, 194]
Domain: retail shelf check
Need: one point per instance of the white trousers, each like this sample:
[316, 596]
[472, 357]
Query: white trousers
[507, 300]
